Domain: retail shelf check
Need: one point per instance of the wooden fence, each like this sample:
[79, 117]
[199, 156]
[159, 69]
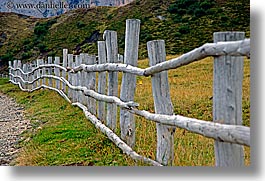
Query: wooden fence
[74, 78]
[4, 76]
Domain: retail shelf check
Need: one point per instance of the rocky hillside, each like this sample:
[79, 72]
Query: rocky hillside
[183, 24]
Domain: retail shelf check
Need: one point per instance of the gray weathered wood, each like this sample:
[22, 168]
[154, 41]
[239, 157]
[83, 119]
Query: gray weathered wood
[162, 103]
[91, 84]
[102, 59]
[227, 99]
[128, 85]
[74, 83]
[13, 73]
[42, 86]
[50, 71]
[38, 73]
[44, 72]
[34, 64]
[30, 76]
[70, 76]
[65, 56]
[120, 58]
[77, 77]
[115, 138]
[57, 72]
[29, 67]
[117, 67]
[234, 48]
[41, 72]
[19, 66]
[82, 81]
[222, 132]
[24, 68]
[112, 57]
[10, 70]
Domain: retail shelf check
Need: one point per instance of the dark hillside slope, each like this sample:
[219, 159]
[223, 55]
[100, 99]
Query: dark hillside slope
[183, 24]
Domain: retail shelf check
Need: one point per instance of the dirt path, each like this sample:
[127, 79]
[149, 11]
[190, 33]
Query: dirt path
[12, 124]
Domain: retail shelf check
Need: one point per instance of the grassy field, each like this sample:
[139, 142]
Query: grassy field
[63, 136]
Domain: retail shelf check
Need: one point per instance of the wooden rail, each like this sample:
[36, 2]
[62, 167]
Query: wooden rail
[75, 79]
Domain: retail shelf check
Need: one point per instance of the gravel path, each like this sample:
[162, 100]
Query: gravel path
[12, 124]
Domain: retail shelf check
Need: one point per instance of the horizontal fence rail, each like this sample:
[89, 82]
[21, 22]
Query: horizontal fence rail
[75, 80]
[217, 131]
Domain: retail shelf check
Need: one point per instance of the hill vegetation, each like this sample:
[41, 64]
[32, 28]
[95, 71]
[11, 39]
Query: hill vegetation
[183, 24]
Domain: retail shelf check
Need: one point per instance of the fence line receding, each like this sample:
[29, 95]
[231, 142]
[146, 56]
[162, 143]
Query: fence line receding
[91, 83]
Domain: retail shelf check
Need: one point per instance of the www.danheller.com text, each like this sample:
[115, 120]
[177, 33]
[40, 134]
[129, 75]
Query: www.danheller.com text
[42, 5]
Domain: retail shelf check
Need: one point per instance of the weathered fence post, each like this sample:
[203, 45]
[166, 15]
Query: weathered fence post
[74, 83]
[65, 56]
[38, 73]
[57, 72]
[24, 68]
[162, 102]
[112, 57]
[70, 75]
[50, 72]
[227, 99]
[14, 71]
[31, 76]
[83, 79]
[10, 71]
[79, 79]
[101, 80]
[34, 76]
[127, 122]
[19, 65]
[91, 84]
[42, 73]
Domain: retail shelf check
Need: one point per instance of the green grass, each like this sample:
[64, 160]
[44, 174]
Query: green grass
[63, 136]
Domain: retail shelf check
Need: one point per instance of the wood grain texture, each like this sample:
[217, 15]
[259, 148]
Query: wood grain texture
[65, 62]
[128, 84]
[222, 132]
[70, 59]
[227, 99]
[50, 71]
[162, 103]
[102, 84]
[110, 38]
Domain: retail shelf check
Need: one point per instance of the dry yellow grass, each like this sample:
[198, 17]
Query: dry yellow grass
[68, 138]
[191, 95]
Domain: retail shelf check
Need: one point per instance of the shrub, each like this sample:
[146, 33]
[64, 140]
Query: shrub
[191, 7]
[42, 28]
[184, 29]
[42, 47]
[199, 12]
[26, 41]
[7, 57]
[26, 55]
[80, 24]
